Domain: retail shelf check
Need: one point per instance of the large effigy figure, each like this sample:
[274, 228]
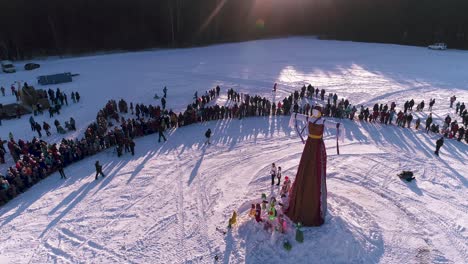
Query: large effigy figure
[308, 195]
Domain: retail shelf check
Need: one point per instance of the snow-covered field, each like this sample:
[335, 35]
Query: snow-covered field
[163, 205]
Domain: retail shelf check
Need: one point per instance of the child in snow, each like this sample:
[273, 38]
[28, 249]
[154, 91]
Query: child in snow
[273, 173]
[272, 213]
[284, 203]
[286, 186]
[233, 220]
[264, 201]
[258, 213]
[272, 201]
[252, 211]
[278, 175]
[282, 225]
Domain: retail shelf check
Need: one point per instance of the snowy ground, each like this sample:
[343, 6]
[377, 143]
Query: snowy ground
[163, 205]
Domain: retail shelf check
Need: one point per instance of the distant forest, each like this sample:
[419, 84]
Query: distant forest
[30, 28]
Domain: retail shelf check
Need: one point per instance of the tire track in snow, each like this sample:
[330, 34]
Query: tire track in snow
[89, 243]
[202, 184]
[58, 254]
[433, 217]
[431, 222]
[81, 211]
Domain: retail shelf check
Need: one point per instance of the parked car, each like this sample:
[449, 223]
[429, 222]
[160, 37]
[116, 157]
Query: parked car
[438, 46]
[8, 67]
[31, 66]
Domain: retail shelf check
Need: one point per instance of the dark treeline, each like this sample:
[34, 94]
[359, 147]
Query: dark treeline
[55, 27]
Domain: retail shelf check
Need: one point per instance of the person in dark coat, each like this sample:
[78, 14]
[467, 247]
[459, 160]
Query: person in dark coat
[57, 124]
[32, 122]
[132, 146]
[418, 122]
[98, 169]
[461, 132]
[296, 108]
[163, 103]
[46, 127]
[208, 136]
[126, 142]
[38, 129]
[72, 124]
[439, 144]
[428, 122]
[322, 94]
[2, 156]
[57, 109]
[60, 169]
[77, 95]
[119, 148]
[409, 118]
[2, 142]
[161, 129]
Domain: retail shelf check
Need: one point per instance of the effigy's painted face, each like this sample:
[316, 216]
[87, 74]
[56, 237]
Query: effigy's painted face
[316, 113]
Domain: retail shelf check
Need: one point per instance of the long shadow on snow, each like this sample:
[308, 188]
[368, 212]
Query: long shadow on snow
[76, 196]
[401, 139]
[53, 182]
[28, 198]
[196, 167]
[459, 150]
[353, 132]
[226, 132]
[148, 155]
[23, 201]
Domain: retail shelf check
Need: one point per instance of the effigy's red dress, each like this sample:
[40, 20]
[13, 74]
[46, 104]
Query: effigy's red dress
[308, 196]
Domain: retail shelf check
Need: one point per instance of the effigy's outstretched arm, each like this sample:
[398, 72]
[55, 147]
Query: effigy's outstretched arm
[328, 123]
[295, 117]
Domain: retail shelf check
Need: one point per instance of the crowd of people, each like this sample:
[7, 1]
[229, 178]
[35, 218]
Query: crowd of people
[37, 159]
[384, 113]
[116, 128]
[56, 99]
